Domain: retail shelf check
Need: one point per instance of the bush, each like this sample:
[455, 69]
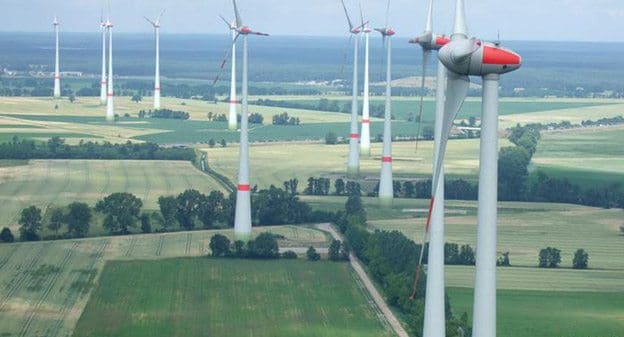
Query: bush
[289, 255]
[334, 250]
[263, 247]
[6, 235]
[581, 259]
[220, 246]
[312, 255]
[146, 223]
[331, 138]
[549, 258]
[503, 260]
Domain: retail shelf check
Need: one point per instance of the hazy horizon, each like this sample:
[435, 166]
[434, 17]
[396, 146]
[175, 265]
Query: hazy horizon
[556, 20]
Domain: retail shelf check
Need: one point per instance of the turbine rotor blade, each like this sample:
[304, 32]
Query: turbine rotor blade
[456, 92]
[239, 21]
[429, 26]
[387, 14]
[160, 16]
[460, 19]
[361, 14]
[150, 21]
[426, 55]
[347, 15]
[229, 24]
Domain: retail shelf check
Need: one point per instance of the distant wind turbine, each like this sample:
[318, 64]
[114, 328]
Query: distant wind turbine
[57, 73]
[156, 25]
[103, 89]
[110, 107]
[365, 144]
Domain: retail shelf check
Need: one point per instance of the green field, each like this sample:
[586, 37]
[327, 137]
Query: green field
[217, 297]
[47, 183]
[588, 157]
[45, 286]
[548, 314]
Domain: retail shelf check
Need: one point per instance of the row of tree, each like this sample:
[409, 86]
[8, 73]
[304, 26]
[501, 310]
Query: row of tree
[56, 148]
[285, 119]
[551, 258]
[391, 259]
[164, 114]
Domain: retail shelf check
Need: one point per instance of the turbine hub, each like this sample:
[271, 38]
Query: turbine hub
[473, 57]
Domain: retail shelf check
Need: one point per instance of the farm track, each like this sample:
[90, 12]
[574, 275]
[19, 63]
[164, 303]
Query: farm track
[159, 247]
[15, 191]
[22, 277]
[8, 257]
[187, 248]
[147, 183]
[70, 301]
[31, 314]
[107, 180]
[126, 176]
[131, 247]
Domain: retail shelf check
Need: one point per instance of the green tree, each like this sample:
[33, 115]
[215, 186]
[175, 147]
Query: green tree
[334, 250]
[289, 255]
[30, 224]
[427, 132]
[331, 138]
[312, 255]
[355, 207]
[549, 258]
[339, 184]
[136, 98]
[72, 98]
[220, 246]
[345, 251]
[56, 220]
[78, 219]
[214, 208]
[122, 212]
[212, 143]
[353, 188]
[189, 203]
[168, 209]
[239, 249]
[513, 165]
[467, 256]
[146, 223]
[6, 235]
[223, 143]
[503, 260]
[265, 246]
[581, 259]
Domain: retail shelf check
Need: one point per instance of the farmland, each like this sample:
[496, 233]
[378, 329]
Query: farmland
[212, 297]
[48, 183]
[45, 286]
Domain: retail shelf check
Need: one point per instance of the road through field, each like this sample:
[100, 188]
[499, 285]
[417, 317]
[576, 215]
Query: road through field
[355, 263]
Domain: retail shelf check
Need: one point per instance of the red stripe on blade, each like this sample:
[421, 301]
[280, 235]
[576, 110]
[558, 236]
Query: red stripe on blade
[244, 188]
[386, 159]
[354, 136]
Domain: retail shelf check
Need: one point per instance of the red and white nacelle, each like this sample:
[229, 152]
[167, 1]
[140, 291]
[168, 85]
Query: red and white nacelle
[474, 57]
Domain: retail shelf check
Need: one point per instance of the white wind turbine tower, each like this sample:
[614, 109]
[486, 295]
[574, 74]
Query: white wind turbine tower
[465, 57]
[57, 73]
[434, 324]
[156, 25]
[242, 220]
[103, 88]
[353, 166]
[365, 146]
[110, 108]
[386, 183]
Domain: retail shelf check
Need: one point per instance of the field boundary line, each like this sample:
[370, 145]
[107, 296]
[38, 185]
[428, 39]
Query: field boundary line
[131, 245]
[9, 256]
[377, 298]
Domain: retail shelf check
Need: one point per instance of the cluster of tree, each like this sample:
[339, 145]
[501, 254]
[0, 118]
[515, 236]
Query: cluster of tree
[77, 218]
[563, 125]
[265, 247]
[56, 148]
[284, 119]
[254, 118]
[338, 251]
[391, 258]
[164, 114]
[323, 104]
[317, 186]
[331, 138]
[455, 255]
[6, 235]
[604, 121]
[551, 258]
[191, 209]
[212, 143]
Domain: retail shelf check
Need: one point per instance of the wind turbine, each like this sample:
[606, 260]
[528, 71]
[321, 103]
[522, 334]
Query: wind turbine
[434, 318]
[57, 73]
[353, 166]
[386, 185]
[156, 25]
[110, 107]
[103, 89]
[465, 57]
[242, 220]
[365, 147]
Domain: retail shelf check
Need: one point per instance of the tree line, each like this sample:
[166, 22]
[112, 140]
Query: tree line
[56, 148]
[164, 114]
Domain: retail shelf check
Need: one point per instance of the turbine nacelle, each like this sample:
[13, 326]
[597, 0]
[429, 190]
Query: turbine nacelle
[430, 41]
[472, 57]
[386, 31]
[55, 22]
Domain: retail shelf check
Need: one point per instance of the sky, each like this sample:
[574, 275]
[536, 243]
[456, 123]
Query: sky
[533, 20]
